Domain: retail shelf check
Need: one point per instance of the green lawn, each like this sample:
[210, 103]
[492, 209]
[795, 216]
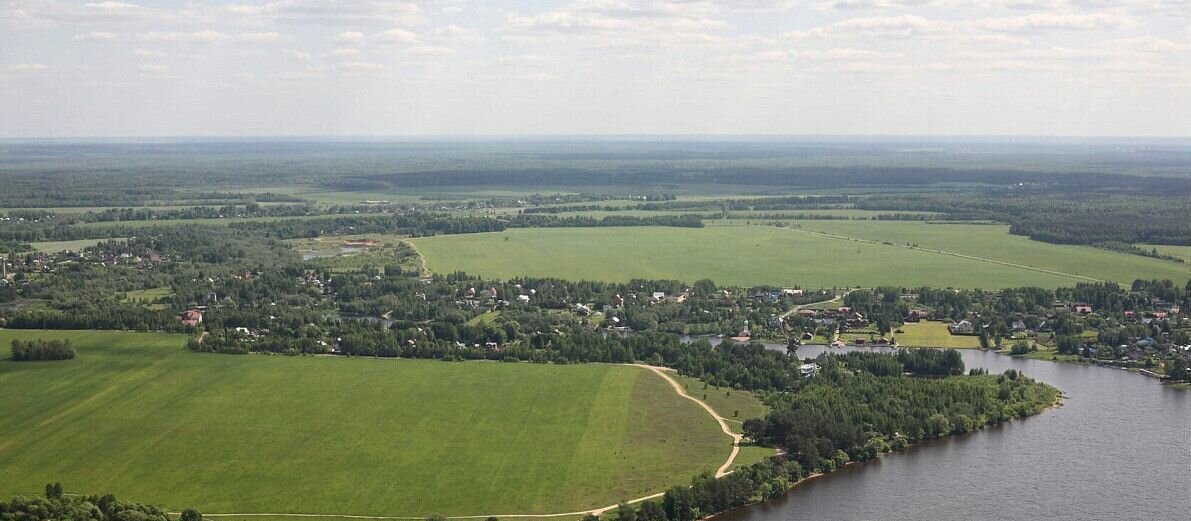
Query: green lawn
[138, 416]
[731, 255]
[933, 334]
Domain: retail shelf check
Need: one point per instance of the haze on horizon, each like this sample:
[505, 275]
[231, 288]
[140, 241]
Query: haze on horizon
[107, 68]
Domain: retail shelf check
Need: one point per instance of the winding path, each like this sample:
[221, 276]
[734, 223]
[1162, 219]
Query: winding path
[724, 470]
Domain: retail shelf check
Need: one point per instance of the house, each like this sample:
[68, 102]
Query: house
[618, 301]
[963, 327]
[913, 316]
[808, 370]
[806, 313]
[523, 299]
[191, 317]
[1018, 325]
[658, 296]
[1082, 309]
[792, 291]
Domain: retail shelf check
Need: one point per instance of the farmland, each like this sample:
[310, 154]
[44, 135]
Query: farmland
[138, 416]
[752, 255]
[995, 242]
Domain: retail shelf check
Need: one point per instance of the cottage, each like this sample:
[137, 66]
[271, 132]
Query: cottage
[191, 317]
[963, 327]
[523, 299]
[808, 370]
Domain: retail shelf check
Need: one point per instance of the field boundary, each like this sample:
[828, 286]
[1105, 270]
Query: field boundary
[724, 470]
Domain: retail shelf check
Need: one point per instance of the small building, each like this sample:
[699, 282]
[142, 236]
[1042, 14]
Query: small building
[808, 370]
[523, 299]
[963, 327]
[191, 317]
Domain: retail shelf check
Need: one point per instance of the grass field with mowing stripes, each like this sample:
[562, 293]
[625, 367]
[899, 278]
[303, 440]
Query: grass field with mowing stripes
[137, 415]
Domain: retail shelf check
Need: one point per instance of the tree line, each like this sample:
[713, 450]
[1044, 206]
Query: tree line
[38, 349]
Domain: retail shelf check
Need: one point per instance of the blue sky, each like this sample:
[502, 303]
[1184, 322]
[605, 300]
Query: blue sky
[458, 67]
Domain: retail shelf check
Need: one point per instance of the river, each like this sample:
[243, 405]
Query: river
[1119, 448]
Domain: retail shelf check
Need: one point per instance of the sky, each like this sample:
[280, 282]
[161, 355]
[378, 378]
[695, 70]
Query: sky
[703, 67]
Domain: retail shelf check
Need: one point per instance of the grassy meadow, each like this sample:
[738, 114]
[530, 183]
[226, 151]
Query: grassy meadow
[751, 255]
[731, 255]
[61, 246]
[992, 241]
[137, 415]
[1182, 252]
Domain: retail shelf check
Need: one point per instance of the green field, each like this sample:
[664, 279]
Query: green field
[1182, 252]
[994, 242]
[138, 416]
[60, 246]
[149, 297]
[731, 255]
[933, 334]
[733, 404]
[968, 255]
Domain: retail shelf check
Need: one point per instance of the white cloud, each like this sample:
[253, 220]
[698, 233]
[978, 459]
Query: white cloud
[617, 23]
[846, 54]
[350, 36]
[96, 36]
[1056, 21]
[204, 36]
[267, 36]
[397, 35]
[454, 34]
[344, 53]
[358, 66]
[25, 67]
[147, 53]
[153, 68]
[430, 50]
[898, 25]
[328, 12]
[300, 55]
